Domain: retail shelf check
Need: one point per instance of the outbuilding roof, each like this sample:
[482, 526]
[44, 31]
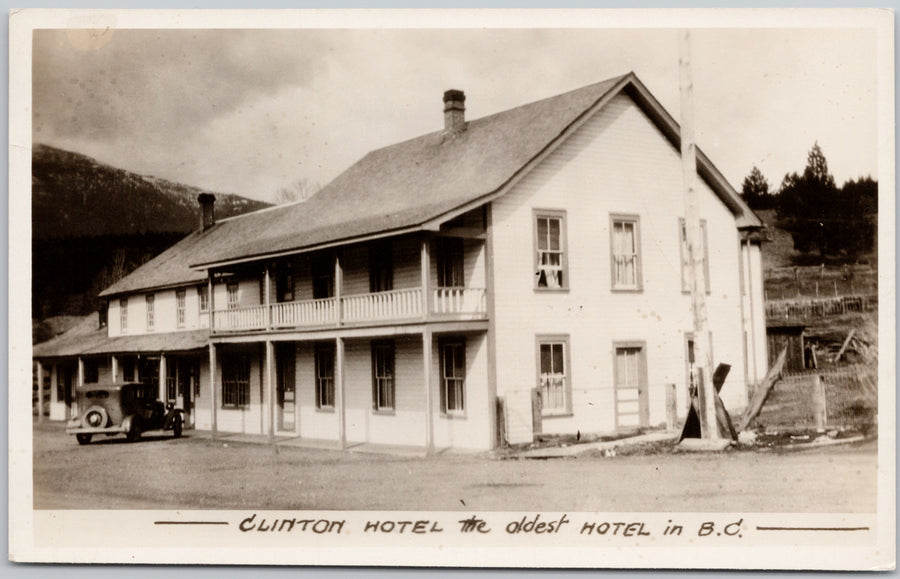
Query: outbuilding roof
[413, 185]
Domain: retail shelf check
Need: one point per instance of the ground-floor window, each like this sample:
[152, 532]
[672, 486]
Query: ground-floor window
[324, 376]
[128, 369]
[383, 375]
[171, 389]
[236, 381]
[553, 377]
[453, 376]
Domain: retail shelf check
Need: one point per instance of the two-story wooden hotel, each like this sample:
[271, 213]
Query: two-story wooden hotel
[516, 273]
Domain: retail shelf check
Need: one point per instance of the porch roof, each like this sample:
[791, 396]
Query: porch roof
[412, 185]
[85, 334]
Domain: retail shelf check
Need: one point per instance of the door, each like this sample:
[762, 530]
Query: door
[632, 407]
[285, 368]
[188, 370]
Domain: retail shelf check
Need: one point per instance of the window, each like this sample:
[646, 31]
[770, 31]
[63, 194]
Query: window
[236, 382]
[91, 371]
[626, 252]
[150, 299]
[324, 376]
[550, 243]
[123, 314]
[450, 262]
[203, 295]
[685, 257]
[383, 376]
[180, 305]
[381, 267]
[453, 376]
[233, 297]
[323, 276]
[284, 286]
[553, 377]
[171, 384]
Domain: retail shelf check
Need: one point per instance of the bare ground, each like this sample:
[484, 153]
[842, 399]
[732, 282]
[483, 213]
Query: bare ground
[198, 473]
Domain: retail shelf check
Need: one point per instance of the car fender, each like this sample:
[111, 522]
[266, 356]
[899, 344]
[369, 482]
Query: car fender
[126, 423]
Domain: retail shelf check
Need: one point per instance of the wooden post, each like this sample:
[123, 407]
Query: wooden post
[270, 385]
[40, 392]
[114, 368]
[163, 391]
[267, 289]
[339, 390]
[694, 235]
[426, 277]
[429, 416]
[213, 426]
[211, 301]
[338, 288]
[820, 408]
[671, 407]
[54, 387]
[80, 381]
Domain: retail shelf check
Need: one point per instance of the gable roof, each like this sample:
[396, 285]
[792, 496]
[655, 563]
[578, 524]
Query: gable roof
[415, 185]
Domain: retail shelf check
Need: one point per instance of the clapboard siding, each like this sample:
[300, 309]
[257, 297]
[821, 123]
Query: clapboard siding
[313, 422]
[617, 162]
[474, 429]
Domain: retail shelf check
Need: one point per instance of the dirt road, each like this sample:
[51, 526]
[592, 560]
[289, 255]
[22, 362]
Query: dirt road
[198, 473]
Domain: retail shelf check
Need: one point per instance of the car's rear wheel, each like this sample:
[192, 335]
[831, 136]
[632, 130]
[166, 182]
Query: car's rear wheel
[177, 426]
[95, 417]
[134, 429]
[83, 438]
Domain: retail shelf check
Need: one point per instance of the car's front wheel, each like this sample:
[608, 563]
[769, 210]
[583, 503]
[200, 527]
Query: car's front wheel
[83, 438]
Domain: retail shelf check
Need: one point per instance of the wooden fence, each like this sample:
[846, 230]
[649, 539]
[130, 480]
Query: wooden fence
[821, 307]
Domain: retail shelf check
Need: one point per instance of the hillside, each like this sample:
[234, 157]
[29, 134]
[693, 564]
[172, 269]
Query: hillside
[76, 196]
[93, 223]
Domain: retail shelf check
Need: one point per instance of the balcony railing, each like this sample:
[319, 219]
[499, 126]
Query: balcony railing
[395, 305]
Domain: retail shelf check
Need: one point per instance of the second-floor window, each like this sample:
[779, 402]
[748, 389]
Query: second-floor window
[381, 267]
[180, 307]
[203, 296]
[685, 256]
[233, 296]
[450, 260]
[123, 314]
[151, 316]
[550, 244]
[625, 252]
[323, 276]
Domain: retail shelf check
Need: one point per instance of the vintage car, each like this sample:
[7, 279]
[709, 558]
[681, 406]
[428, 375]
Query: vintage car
[128, 408]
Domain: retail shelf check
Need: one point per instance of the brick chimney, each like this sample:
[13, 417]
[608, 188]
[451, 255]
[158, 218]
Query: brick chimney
[207, 210]
[454, 111]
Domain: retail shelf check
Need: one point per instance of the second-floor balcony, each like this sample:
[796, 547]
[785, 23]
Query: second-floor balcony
[446, 303]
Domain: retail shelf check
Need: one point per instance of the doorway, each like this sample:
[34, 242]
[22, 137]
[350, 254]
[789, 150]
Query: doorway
[631, 400]
[285, 371]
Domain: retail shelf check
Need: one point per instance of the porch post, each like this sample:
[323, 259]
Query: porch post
[40, 392]
[211, 302]
[80, 371]
[114, 368]
[338, 287]
[54, 386]
[339, 390]
[212, 384]
[267, 288]
[163, 391]
[270, 386]
[426, 275]
[429, 416]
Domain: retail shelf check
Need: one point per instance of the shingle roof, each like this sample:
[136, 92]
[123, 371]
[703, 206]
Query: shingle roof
[405, 185]
[85, 334]
[87, 338]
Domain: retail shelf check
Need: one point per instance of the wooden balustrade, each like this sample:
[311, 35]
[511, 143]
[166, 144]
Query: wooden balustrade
[372, 307]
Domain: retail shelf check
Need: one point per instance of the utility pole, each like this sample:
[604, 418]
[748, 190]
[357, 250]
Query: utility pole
[706, 393]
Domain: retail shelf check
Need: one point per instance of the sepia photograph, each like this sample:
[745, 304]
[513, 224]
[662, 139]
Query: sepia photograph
[316, 283]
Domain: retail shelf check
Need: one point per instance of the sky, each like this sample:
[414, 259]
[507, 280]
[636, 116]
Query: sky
[250, 111]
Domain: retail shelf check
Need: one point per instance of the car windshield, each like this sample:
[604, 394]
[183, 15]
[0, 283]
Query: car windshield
[97, 394]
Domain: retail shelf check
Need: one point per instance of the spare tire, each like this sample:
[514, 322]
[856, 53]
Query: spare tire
[95, 417]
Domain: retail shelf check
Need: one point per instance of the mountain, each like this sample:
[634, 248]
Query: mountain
[74, 195]
[93, 224]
